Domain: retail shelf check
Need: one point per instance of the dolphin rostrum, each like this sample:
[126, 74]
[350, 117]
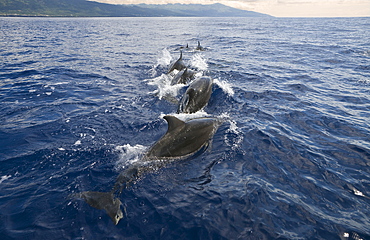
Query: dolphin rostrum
[178, 65]
[196, 96]
[182, 140]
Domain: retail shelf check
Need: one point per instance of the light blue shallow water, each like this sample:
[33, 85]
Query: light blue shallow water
[80, 98]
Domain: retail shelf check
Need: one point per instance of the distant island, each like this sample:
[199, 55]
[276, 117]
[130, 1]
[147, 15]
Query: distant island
[84, 8]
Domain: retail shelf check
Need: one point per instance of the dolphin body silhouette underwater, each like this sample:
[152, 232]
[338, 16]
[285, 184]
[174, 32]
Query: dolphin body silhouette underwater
[183, 76]
[182, 140]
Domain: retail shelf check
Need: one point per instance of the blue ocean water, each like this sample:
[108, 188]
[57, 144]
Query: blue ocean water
[81, 98]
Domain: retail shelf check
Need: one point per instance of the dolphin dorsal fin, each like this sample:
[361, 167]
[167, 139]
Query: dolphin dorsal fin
[173, 122]
[180, 58]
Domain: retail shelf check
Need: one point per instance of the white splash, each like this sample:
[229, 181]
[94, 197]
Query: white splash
[199, 62]
[164, 87]
[358, 193]
[237, 138]
[187, 116]
[225, 86]
[233, 127]
[129, 155]
[5, 177]
[163, 60]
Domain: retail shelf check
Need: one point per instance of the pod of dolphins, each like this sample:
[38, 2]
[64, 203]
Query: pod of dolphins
[182, 140]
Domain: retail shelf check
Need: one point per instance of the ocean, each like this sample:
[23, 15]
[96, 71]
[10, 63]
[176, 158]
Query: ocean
[83, 98]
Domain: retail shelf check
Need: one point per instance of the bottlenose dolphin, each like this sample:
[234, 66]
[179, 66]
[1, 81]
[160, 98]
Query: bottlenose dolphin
[178, 65]
[182, 140]
[183, 76]
[182, 47]
[200, 48]
[196, 96]
[103, 200]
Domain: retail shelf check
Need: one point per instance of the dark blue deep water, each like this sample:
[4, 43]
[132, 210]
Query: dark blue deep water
[82, 98]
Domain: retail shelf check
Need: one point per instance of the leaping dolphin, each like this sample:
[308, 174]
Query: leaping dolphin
[196, 96]
[178, 65]
[182, 140]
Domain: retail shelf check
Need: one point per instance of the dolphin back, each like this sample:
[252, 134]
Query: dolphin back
[183, 139]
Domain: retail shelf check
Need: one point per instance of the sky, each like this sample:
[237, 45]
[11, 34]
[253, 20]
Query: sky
[280, 8]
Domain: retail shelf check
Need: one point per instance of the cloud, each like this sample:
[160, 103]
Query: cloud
[269, 2]
[280, 8]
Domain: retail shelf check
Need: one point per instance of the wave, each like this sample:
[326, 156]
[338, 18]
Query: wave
[291, 159]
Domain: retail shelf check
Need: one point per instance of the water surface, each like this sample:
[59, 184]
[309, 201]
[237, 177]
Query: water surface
[81, 98]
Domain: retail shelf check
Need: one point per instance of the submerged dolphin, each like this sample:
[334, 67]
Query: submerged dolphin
[196, 96]
[178, 65]
[183, 76]
[182, 47]
[182, 140]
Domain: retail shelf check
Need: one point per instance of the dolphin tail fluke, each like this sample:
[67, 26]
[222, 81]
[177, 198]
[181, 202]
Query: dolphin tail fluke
[107, 200]
[103, 200]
